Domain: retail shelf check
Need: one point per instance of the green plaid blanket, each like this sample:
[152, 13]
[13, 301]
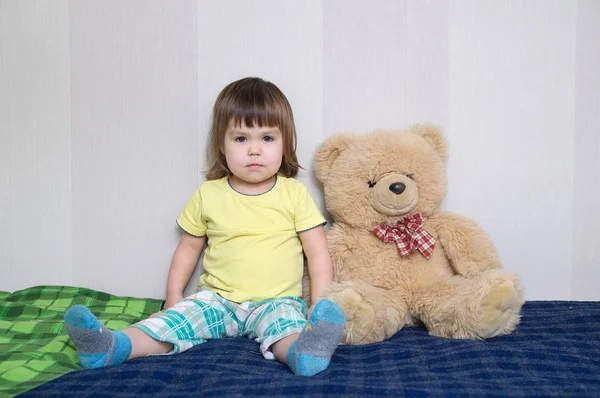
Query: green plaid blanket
[34, 346]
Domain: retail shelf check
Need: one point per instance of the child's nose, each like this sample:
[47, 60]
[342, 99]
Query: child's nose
[254, 149]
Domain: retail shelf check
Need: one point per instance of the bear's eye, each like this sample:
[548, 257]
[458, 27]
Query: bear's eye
[411, 176]
[372, 184]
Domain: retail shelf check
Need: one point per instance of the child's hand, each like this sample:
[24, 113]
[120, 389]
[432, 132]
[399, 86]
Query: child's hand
[171, 301]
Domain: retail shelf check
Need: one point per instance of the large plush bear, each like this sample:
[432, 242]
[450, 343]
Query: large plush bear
[398, 260]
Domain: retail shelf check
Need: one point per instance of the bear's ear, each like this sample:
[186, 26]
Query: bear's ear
[434, 137]
[328, 152]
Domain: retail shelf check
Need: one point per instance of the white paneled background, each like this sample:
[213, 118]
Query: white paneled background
[105, 108]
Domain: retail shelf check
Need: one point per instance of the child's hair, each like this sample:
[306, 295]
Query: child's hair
[255, 101]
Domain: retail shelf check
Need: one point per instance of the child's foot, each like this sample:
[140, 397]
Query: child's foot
[96, 345]
[311, 353]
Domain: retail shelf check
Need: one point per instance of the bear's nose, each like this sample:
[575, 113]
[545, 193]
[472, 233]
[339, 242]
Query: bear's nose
[397, 188]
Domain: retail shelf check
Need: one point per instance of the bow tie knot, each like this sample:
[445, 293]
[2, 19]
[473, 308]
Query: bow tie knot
[407, 236]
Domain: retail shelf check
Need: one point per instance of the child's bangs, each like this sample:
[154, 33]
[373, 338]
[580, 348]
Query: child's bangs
[265, 116]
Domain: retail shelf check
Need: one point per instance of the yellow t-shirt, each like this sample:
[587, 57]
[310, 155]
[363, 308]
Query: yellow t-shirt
[253, 252]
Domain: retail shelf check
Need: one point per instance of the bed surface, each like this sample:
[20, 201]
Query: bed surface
[554, 352]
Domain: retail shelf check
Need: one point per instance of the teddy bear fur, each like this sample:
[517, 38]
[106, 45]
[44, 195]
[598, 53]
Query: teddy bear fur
[461, 291]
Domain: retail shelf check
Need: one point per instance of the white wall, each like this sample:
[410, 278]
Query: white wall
[36, 202]
[105, 107]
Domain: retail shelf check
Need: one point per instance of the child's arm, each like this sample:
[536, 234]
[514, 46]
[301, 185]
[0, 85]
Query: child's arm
[184, 262]
[320, 267]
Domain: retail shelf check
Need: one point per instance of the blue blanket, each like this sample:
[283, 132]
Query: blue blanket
[554, 352]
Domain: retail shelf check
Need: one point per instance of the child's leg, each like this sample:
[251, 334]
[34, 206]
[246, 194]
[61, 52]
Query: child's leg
[282, 347]
[189, 322]
[97, 346]
[143, 345]
[310, 351]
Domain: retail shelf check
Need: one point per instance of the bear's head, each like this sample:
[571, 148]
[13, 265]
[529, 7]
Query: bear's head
[383, 176]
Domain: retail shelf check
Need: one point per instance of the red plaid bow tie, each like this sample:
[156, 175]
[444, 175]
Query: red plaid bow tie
[408, 236]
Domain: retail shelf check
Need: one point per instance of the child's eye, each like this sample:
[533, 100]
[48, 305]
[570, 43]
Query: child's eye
[268, 138]
[240, 139]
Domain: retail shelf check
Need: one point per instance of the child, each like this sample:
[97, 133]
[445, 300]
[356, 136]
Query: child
[257, 222]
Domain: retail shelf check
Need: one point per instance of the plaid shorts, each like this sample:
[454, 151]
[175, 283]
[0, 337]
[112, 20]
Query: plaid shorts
[206, 315]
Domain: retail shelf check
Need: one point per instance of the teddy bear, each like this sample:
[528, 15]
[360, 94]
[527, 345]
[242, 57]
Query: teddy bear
[398, 260]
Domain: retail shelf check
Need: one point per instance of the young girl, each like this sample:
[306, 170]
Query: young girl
[258, 223]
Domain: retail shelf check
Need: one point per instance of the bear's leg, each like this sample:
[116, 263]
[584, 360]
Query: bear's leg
[479, 307]
[371, 315]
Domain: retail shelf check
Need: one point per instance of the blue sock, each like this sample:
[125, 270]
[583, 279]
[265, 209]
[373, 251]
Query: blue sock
[311, 353]
[96, 345]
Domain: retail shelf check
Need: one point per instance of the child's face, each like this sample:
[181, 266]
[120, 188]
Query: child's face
[254, 155]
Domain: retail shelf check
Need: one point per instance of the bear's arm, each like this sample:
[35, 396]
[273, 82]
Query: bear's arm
[339, 239]
[467, 246]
